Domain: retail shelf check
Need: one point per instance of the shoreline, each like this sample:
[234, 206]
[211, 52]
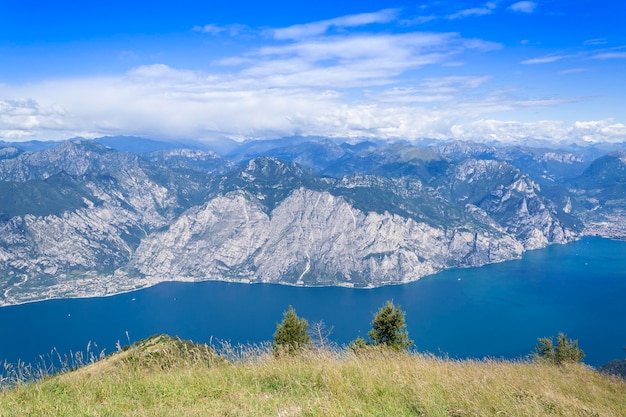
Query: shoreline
[149, 283]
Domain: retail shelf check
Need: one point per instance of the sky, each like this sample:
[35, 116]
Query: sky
[407, 70]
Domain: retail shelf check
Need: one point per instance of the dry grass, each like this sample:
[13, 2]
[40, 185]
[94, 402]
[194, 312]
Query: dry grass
[166, 377]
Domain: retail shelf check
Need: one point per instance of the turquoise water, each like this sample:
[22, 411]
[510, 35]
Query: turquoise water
[498, 310]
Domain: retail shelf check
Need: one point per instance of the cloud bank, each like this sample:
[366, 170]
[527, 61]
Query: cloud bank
[330, 78]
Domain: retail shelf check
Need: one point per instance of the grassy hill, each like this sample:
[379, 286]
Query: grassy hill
[162, 376]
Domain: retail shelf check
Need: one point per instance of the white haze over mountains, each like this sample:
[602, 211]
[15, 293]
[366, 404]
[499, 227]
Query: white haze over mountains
[335, 78]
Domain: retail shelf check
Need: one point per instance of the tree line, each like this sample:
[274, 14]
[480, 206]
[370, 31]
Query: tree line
[389, 331]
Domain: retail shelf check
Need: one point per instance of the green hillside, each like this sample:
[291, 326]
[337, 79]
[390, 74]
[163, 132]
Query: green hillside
[163, 376]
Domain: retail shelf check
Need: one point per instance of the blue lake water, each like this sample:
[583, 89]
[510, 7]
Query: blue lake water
[498, 310]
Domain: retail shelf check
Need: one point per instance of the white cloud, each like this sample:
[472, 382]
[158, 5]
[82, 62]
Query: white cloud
[510, 131]
[600, 54]
[505, 101]
[321, 27]
[213, 29]
[574, 71]
[419, 20]
[358, 60]
[431, 90]
[545, 59]
[549, 130]
[316, 79]
[19, 118]
[162, 102]
[453, 84]
[599, 131]
[307, 86]
[595, 41]
[128, 55]
[210, 28]
[407, 95]
[487, 9]
[610, 55]
[524, 6]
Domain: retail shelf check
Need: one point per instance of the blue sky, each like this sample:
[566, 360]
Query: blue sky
[471, 70]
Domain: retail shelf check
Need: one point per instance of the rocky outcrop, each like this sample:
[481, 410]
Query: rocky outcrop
[512, 199]
[310, 238]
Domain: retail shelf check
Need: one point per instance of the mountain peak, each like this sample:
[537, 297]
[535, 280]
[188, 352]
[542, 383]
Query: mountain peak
[273, 169]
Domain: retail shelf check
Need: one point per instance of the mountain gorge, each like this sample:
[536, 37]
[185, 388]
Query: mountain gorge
[86, 218]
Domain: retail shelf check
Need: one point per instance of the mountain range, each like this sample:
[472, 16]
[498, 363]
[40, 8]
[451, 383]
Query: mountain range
[98, 217]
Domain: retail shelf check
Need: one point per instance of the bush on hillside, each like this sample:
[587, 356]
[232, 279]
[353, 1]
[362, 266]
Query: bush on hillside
[565, 351]
[358, 345]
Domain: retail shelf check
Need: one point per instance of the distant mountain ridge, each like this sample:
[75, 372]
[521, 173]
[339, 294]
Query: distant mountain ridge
[82, 218]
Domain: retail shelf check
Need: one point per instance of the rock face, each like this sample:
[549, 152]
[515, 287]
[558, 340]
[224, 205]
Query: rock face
[512, 199]
[310, 238]
[315, 237]
[82, 219]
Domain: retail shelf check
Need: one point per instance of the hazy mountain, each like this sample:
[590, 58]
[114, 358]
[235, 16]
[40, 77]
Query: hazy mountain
[134, 144]
[31, 145]
[546, 165]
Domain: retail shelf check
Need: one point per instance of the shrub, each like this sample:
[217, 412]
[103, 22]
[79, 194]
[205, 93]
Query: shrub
[358, 345]
[566, 350]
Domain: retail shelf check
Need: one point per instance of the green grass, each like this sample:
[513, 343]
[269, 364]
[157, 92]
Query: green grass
[167, 377]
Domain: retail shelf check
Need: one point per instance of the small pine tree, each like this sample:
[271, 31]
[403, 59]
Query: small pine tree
[291, 334]
[565, 351]
[389, 328]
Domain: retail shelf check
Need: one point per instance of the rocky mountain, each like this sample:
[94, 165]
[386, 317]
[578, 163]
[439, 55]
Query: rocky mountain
[83, 218]
[546, 165]
[599, 195]
[310, 230]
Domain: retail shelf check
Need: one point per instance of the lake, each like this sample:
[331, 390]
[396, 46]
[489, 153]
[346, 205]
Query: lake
[497, 310]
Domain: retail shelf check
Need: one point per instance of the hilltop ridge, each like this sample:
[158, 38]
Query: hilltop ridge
[166, 376]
